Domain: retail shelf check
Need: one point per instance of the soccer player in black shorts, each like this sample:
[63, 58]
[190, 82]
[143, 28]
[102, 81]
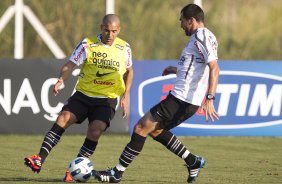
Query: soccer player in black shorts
[196, 73]
[100, 83]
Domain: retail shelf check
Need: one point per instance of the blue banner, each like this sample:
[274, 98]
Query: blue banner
[248, 98]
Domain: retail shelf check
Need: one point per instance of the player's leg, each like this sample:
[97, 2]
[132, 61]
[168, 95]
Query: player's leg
[144, 126]
[94, 131]
[172, 143]
[100, 112]
[99, 116]
[179, 112]
[170, 113]
[74, 111]
[51, 139]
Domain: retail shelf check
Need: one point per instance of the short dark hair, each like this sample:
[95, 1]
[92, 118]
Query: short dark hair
[193, 10]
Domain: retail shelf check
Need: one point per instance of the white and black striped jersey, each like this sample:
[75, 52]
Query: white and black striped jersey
[192, 69]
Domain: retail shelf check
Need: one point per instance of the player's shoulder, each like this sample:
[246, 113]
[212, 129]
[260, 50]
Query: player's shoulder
[92, 39]
[123, 42]
[203, 33]
[81, 44]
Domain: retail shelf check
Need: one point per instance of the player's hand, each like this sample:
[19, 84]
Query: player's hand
[57, 87]
[124, 105]
[169, 70]
[209, 110]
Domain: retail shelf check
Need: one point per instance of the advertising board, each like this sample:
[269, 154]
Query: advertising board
[248, 98]
[27, 102]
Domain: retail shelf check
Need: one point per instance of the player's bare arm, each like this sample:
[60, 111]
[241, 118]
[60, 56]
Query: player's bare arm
[208, 106]
[169, 70]
[64, 74]
[128, 77]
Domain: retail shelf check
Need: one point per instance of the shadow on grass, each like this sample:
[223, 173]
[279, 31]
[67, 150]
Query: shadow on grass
[20, 179]
[147, 181]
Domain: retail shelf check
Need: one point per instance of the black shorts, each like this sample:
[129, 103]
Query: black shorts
[171, 112]
[83, 107]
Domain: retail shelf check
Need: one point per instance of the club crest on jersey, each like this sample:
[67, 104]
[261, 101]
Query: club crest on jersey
[199, 60]
[81, 75]
[94, 44]
[119, 46]
[182, 59]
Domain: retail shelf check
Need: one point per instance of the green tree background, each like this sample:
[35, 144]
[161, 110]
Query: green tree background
[245, 29]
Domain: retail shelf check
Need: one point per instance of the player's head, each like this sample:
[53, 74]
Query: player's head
[110, 28]
[190, 16]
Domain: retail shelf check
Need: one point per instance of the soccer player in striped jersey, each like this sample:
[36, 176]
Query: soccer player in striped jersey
[197, 74]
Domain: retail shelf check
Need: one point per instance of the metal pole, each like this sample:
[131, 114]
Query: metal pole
[18, 52]
[110, 7]
[199, 3]
[43, 33]
[20, 10]
[9, 13]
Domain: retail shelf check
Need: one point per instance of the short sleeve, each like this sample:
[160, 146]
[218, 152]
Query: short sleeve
[79, 54]
[128, 56]
[207, 45]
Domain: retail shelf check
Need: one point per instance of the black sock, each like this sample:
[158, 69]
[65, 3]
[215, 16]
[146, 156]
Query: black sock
[87, 148]
[51, 139]
[132, 149]
[171, 142]
[118, 173]
[190, 159]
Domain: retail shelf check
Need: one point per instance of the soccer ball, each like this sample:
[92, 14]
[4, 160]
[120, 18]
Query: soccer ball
[80, 169]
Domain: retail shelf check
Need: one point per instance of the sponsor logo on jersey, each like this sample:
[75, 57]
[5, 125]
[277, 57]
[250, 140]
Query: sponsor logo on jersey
[185, 58]
[181, 60]
[129, 63]
[98, 74]
[79, 53]
[94, 44]
[119, 46]
[199, 60]
[101, 60]
[106, 83]
[81, 75]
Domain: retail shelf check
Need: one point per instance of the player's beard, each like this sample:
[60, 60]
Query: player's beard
[188, 32]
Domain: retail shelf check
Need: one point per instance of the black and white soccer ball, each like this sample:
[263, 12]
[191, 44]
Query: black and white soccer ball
[80, 169]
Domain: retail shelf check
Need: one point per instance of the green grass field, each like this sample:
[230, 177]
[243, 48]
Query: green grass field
[238, 160]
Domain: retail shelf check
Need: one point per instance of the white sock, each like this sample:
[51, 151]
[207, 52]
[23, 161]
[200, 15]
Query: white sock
[185, 154]
[120, 167]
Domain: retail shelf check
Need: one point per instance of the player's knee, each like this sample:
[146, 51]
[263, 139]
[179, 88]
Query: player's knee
[144, 127]
[96, 129]
[155, 133]
[64, 120]
[94, 135]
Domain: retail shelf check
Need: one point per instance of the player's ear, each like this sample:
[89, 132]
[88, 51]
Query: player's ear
[193, 20]
[101, 27]
[190, 21]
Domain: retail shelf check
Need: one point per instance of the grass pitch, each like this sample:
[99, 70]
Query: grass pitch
[238, 160]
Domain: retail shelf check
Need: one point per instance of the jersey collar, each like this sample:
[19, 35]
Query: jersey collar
[100, 40]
